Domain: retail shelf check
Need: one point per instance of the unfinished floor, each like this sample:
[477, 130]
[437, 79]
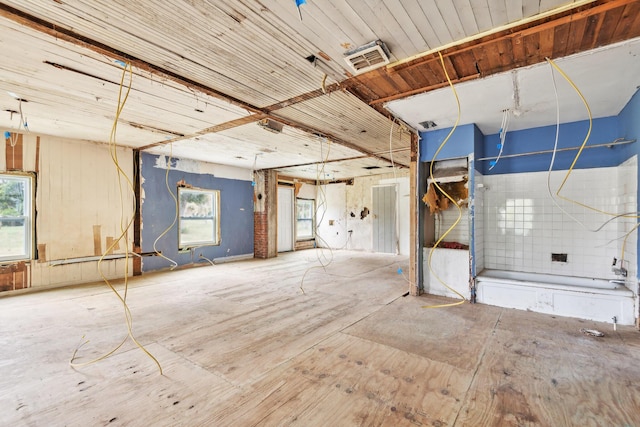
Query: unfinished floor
[241, 345]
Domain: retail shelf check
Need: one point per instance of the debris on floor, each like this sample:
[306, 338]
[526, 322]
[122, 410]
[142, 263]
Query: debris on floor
[592, 332]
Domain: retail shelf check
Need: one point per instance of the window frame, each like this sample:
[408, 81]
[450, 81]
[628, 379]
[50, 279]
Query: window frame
[215, 216]
[28, 216]
[312, 219]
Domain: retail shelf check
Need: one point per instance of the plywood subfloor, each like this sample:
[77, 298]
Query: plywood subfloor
[241, 345]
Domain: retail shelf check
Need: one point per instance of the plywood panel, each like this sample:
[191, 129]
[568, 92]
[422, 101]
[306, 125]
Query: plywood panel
[241, 345]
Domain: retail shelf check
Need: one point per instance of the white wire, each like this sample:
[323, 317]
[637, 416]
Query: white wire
[506, 117]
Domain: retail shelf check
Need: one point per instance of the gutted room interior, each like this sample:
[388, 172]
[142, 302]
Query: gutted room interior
[320, 213]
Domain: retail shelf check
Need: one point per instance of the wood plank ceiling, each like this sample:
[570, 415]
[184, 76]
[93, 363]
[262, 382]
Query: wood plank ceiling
[246, 61]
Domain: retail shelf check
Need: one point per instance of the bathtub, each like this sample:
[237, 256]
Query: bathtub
[581, 297]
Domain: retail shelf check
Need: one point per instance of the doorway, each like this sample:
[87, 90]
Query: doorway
[285, 219]
[384, 219]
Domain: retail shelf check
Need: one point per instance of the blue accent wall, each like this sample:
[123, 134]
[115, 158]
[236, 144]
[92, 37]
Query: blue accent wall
[538, 139]
[158, 211]
[461, 143]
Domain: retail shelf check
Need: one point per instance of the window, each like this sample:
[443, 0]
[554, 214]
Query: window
[305, 228]
[199, 223]
[16, 217]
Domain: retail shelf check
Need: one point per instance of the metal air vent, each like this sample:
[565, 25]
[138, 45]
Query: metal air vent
[367, 57]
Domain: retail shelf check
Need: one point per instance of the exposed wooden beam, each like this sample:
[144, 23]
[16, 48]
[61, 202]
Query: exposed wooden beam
[213, 129]
[68, 35]
[422, 89]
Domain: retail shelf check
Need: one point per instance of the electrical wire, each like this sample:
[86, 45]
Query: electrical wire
[614, 216]
[397, 185]
[320, 254]
[124, 227]
[175, 218]
[582, 146]
[434, 182]
[506, 116]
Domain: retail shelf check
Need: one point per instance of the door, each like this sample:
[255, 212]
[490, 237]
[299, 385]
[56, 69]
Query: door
[285, 219]
[384, 219]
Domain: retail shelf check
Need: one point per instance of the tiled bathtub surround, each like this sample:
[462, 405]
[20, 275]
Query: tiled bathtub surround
[478, 231]
[523, 227]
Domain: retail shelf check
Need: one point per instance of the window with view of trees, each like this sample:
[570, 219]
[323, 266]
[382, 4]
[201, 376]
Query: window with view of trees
[305, 229]
[15, 217]
[199, 223]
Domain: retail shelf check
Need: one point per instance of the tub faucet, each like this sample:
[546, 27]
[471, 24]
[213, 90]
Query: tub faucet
[618, 271]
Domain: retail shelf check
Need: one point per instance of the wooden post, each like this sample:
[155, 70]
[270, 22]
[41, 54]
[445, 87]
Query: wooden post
[414, 237]
[137, 221]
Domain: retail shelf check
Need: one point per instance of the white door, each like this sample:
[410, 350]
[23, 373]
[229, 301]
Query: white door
[384, 219]
[285, 219]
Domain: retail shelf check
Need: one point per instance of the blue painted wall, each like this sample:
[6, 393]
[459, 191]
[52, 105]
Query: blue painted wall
[158, 211]
[461, 143]
[629, 119]
[571, 135]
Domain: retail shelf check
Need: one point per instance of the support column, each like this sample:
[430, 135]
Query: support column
[415, 243]
[265, 227]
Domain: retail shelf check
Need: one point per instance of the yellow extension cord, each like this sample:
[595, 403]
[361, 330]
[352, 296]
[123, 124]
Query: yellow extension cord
[575, 160]
[431, 251]
[123, 235]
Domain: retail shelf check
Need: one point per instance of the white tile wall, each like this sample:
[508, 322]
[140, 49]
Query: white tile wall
[628, 190]
[479, 221]
[523, 226]
[445, 219]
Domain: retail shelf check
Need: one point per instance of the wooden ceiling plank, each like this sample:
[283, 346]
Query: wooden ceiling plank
[576, 33]
[560, 40]
[517, 47]
[514, 10]
[482, 15]
[466, 15]
[595, 8]
[546, 41]
[531, 48]
[71, 37]
[591, 31]
[505, 50]
[465, 63]
[635, 28]
[609, 24]
[630, 14]
[482, 62]
[422, 90]
[493, 55]
[451, 69]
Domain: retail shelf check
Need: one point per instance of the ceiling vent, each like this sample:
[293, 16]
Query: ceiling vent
[271, 125]
[367, 57]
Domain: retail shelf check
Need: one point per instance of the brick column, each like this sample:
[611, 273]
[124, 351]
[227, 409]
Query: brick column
[265, 215]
